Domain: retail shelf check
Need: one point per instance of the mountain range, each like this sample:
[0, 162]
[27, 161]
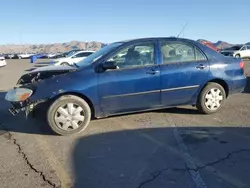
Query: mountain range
[62, 47]
[48, 48]
[220, 44]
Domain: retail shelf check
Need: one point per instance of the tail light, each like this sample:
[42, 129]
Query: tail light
[242, 64]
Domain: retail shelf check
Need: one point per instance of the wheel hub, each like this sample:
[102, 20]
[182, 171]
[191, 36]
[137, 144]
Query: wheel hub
[213, 99]
[69, 116]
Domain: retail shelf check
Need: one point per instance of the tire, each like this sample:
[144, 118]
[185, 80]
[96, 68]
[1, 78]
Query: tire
[54, 115]
[205, 96]
[237, 55]
[65, 63]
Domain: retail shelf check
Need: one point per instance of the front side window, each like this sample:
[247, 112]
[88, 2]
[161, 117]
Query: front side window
[176, 52]
[79, 55]
[85, 54]
[248, 47]
[99, 54]
[134, 56]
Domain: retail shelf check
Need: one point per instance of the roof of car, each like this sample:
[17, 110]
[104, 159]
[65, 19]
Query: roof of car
[84, 51]
[156, 38]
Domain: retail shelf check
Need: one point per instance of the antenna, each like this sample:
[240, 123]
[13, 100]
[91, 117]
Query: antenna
[182, 29]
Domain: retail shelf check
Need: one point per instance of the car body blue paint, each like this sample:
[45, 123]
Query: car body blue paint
[126, 90]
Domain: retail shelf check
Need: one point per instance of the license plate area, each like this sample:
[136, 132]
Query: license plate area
[14, 111]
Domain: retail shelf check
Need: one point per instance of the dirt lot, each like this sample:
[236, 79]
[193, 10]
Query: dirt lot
[168, 148]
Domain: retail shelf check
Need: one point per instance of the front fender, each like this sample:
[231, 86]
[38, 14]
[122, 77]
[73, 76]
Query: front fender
[84, 83]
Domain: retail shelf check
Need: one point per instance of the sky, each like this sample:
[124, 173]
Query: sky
[52, 21]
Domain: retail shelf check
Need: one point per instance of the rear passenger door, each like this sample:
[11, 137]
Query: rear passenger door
[184, 68]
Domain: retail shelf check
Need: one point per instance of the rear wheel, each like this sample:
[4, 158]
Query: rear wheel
[68, 115]
[211, 98]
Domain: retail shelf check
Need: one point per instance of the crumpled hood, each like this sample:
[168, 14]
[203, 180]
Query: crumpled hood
[53, 68]
[44, 73]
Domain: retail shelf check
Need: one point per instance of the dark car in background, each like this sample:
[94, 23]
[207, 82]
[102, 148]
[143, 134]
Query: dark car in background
[230, 51]
[130, 76]
[66, 54]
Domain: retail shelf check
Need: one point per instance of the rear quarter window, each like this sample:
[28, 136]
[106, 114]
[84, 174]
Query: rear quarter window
[200, 56]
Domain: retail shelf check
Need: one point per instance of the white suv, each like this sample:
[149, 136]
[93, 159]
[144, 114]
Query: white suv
[244, 52]
[73, 58]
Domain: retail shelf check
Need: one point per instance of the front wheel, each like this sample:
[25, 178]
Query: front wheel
[68, 115]
[211, 98]
[65, 64]
[237, 55]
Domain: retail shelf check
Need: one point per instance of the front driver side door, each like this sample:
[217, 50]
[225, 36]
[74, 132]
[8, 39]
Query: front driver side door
[243, 52]
[247, 52]
[135, 85]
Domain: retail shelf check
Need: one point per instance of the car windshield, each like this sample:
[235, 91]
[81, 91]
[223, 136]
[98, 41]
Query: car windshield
[103, 51]
[69, 54]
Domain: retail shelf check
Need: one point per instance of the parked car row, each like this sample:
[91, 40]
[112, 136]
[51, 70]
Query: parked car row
[67, 58]
[238, 51]
[18, 56]
[41, 55]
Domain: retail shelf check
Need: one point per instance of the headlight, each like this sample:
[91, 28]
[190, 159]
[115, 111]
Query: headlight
[18, 94]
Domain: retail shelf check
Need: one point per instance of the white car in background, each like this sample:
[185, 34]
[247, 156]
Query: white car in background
[73, 58]
[243, 52]
[25, 56]
[52, 55]
[2, 62]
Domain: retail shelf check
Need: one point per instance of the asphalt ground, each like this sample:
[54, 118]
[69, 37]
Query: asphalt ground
[176, 147]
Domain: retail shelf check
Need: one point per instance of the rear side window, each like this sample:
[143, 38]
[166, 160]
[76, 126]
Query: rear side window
[177, 52]
[87, 54]
[199, 55]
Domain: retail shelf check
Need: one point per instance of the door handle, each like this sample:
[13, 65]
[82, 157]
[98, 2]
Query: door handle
[152, 71]
[201, 66]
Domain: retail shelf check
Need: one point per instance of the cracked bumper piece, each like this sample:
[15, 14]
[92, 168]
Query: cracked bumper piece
[15, 111]
[26, 106]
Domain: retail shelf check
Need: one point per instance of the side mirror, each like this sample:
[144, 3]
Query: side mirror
[109, 65]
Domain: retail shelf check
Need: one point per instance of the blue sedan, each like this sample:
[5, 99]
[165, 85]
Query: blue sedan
[129, 76]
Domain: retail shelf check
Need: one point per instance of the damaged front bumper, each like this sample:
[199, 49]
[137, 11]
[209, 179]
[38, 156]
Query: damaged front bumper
[26, 106]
